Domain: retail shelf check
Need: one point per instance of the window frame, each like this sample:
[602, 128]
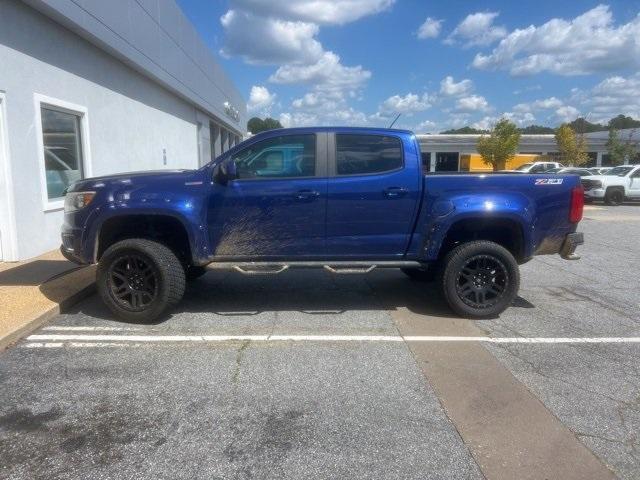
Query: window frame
[80, 111]
[333, 164]
[320, 163]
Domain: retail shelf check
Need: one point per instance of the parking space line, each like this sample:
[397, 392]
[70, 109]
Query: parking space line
[127, 338]
[64, 328]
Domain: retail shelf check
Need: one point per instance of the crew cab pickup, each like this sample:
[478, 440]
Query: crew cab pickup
[344, 199]
[614, 186]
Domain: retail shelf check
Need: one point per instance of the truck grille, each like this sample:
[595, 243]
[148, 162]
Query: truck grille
[589, 184]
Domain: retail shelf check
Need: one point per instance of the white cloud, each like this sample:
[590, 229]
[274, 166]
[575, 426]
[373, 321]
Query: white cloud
[521, 119]
[472, 103]
[477, 29]
[589, 43]
[543, 104]
[330, 12]
[485, 123]
[613, 96]
[326, 74]
[566, 114]
[426, 126]
[269, 41]
[260, 100]
[449, 88]
[408, 104]
[343, 116]
[430, 28]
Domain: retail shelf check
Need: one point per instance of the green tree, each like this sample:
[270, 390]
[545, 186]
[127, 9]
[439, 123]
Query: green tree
[621, 151]
[257, 125]
[463, 130]
[536, 129]
[500, 146]
[582, 125]
[621, 122]
[572, 147]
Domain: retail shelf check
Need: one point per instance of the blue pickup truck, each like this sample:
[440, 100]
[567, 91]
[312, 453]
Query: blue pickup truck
[344, 199]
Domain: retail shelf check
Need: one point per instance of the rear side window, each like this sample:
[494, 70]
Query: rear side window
[363, 154]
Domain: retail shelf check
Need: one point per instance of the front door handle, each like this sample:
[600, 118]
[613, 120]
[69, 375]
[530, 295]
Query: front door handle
[306, 195]
[395, 192]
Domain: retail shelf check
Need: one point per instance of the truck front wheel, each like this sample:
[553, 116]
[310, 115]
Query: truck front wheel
[614, 197]
[139, 279]
[480, 279]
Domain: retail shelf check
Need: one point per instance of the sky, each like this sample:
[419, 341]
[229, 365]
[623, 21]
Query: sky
[440, 64]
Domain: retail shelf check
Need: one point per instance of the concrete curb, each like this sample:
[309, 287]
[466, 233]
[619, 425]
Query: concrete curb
[11, 338]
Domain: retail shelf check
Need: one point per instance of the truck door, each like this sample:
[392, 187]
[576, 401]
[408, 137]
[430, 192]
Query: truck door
[634, 185]
[276, 206]
[374, 188]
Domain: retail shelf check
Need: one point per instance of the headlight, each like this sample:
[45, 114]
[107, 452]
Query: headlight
[74, 201]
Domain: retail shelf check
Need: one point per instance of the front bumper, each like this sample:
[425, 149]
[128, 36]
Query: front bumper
[571, 242]
[71, 256]
[595, 193]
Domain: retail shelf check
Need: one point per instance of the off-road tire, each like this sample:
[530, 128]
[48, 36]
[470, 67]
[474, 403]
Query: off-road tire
[421, 274]
[168, 284]
[457, 260]
[614, 197]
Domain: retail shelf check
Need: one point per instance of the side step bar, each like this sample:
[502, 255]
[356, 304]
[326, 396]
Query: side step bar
[337, 267]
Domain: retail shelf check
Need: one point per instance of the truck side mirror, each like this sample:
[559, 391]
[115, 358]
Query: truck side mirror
[225, 171]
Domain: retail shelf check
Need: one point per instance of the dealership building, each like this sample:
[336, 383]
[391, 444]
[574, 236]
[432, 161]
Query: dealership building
[455, 152]
[94, 88]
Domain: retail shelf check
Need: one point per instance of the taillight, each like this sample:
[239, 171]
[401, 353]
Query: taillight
[577, 204]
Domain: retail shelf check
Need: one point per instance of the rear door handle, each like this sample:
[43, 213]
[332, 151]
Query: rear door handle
[308, 195]
[395, 192]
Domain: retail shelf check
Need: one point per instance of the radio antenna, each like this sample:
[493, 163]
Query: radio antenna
[395, 120]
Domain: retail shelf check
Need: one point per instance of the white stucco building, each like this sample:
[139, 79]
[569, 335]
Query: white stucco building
[91, 88]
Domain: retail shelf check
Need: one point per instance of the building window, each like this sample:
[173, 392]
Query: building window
[447, 161]
[62, 144]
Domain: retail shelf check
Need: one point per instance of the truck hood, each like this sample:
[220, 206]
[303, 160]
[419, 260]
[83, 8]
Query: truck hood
[609, 179]
[141, 177]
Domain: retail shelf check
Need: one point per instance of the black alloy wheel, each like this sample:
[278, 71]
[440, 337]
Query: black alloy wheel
[140, 280]
[133, 282]
[482, 281]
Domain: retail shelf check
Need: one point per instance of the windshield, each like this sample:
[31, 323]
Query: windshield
[524, 167]
[619, 171]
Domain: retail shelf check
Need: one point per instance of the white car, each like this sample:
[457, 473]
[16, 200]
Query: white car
[536, 167]
[619, 183]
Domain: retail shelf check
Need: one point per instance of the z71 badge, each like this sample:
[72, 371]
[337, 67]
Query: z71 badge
[549, 181]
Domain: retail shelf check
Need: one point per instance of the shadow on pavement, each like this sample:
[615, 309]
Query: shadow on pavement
[35, 273]
[305, 291]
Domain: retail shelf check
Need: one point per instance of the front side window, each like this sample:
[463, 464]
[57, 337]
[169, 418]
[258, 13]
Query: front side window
[62, 150]
[364, 154]
[278, 157]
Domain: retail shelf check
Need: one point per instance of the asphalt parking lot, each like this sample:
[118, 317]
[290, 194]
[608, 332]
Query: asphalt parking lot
[342, 377]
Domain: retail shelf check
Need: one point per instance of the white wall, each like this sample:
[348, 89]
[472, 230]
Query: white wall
[131, 120]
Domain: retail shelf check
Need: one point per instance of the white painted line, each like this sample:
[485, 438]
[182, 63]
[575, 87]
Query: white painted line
[78, 344]
[60, 328]
[125, 338]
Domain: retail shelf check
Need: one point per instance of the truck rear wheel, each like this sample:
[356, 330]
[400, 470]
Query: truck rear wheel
[480, 279]
[139, 279]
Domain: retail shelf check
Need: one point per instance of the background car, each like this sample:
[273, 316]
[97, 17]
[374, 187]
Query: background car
[536, 167]
[583, 172]
[599, 170]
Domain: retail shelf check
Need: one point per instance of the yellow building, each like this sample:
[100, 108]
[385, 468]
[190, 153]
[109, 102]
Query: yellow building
[474, 163]
[457, 153]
